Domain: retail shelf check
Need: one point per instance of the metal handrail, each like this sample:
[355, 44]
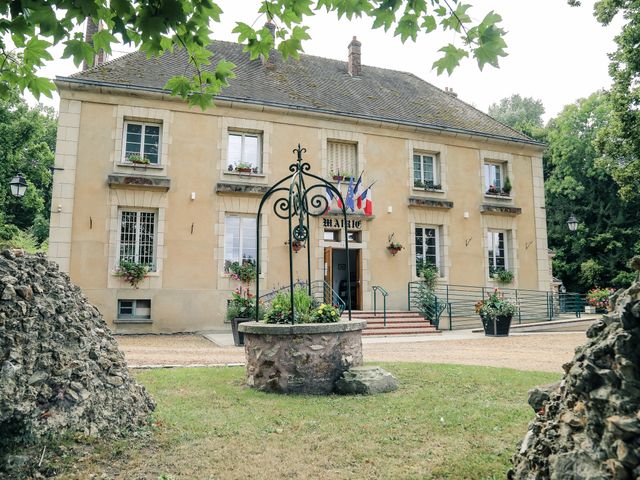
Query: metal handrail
[532, 305]
[327, 294]
[433, 310]
[385, 294]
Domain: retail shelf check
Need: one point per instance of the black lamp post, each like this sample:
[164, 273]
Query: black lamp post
[572, 223]
[18, 185]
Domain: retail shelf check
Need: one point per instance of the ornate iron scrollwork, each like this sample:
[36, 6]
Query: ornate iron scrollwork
[297, 204]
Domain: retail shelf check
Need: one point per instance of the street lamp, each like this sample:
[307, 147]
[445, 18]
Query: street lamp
[572, 223]
[18, 185]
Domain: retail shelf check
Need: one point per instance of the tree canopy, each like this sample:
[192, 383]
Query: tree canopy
[578, 182]
[27, 142]
[619, 140]
[29, 29]
[521, 113]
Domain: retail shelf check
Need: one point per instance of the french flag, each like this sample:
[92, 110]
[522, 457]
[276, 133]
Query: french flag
[329, 199]
[368, 206]
[338, 201]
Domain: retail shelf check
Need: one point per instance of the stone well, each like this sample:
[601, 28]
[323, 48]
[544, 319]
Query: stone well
[303, 358]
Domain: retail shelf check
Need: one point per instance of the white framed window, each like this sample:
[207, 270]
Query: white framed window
[428, 248]
[142, 142]
[426, 171]
[494, 174]
[137, 237]
[245, 152]
[342, 159]
[497, 249]
[240, 241]
[134, 309]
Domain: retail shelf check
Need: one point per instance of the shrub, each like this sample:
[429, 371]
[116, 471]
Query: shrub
[326, 314]
[599, 297]
[280, 309]
[429, 275]
[504, 276]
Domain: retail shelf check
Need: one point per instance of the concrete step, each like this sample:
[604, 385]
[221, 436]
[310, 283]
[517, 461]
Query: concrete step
[407, 324]
[394, 314]
[400, 331]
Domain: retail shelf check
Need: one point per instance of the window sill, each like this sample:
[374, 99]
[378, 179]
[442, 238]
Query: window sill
[133, 321]
[245, 175]
[498, 197]
[427, 190]
[142, 166]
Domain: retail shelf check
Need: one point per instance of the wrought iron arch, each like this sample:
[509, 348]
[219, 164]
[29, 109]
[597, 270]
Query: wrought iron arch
[297, 206]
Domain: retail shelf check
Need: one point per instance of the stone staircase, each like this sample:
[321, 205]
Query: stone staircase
[398, 323]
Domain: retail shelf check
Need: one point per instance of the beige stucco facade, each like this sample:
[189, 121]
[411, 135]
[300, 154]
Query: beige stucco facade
[189, 289]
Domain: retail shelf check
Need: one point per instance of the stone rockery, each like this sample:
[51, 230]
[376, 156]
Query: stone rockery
[588, 425]
[60, 367]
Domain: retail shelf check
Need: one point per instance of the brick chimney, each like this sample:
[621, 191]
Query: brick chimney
[92, 29]
[449, 91]
[354, 66]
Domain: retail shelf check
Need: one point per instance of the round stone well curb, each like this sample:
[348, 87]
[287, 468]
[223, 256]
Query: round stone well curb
[303, 358]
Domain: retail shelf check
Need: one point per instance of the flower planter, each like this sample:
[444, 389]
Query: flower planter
[238, 336]
[496, 327]
[243, 170]
[393, 251]
[296, 247]
[589, 309]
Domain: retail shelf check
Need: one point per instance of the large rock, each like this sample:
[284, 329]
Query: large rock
[589, 426]
[60, 367]
[366, 381]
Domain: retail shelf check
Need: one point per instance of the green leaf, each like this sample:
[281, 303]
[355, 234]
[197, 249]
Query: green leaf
[103, 40]
[429, 24]
[35, 52]
[179, 85]
[244, 31]
[79, 50]
[40, 86]
[224, 71]
[450, 60]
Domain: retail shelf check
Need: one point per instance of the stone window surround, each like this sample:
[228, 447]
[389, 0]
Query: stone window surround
[143, 200]
[507, 225]
[327, 135]
[242, 125]
[442, 246]
[128, 121]
[124, 113]
[501, 158]
[439, 152]
[155, 239]
[242, 206]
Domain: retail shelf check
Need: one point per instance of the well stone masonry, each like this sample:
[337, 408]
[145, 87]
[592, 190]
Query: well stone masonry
[60, 367]
[302, 358]
[588, 426]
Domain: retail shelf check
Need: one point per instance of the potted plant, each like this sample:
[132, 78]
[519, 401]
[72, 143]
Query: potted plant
[132, 272]
[493, 190]
[138, 159]
[394, 247]
[241, 308]
[496, 314]
[418, 184]
[244, 167]
[507, 186]
[296, 245]
[432, 186]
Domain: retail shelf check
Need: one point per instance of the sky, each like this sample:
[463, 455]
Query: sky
[557, 53]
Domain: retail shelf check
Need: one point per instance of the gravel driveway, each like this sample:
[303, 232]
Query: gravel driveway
[532, 351]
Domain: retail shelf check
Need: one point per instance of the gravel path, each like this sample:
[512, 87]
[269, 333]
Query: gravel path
[532, 352]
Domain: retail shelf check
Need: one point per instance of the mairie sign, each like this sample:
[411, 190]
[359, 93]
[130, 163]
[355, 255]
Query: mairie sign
[339, 223]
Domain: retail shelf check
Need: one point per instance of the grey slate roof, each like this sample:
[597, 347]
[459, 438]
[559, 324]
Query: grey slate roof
[312, 84]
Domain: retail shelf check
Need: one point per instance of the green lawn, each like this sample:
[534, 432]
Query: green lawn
[445, 421]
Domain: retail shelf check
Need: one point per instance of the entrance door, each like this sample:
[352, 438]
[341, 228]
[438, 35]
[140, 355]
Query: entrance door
[337, 259]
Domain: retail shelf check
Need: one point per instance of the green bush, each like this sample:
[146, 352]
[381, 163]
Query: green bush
[429, 274]
[23, 240]
[623, 279]
[280, 309]
[242, 305]
[326, 314]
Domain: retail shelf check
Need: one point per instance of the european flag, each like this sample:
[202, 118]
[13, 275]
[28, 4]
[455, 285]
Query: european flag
[351, 201]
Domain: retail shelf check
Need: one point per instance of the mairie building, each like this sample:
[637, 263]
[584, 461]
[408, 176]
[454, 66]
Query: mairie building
[144, 178]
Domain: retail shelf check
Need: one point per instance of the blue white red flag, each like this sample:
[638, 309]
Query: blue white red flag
[350, 201]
